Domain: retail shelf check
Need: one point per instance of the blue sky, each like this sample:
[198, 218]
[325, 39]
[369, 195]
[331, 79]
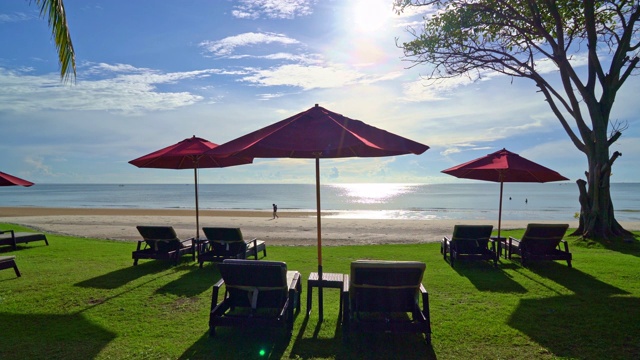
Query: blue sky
[152, 73]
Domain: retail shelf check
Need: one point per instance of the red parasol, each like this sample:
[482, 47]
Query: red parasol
[10, 180]
[504, 166]
[315, 134]
[188, 154]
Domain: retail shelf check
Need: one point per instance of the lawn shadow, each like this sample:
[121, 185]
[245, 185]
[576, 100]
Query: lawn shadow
[599, 321]
[51, 336]
[121, 277]
[485, 277]
[365, 346]
[360, 345]
[193, 282]
[256, 344]
[575, 280]
[580, 327]
[19, 247]
[630, 247]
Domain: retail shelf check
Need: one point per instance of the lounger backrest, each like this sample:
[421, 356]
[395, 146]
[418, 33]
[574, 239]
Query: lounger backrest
[542, 238]
[226, 241]
[223, 234]
[390, 286]
[255, 284]
[160, 238]
[470, 239]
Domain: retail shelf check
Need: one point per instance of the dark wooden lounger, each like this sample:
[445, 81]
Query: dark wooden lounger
[10, 237]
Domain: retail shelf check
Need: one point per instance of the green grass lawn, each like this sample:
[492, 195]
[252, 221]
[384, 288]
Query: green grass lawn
[82, 299]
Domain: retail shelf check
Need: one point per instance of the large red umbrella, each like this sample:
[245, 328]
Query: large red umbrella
[188, 154]
[315, 134]
[504, 166]
[10, 180]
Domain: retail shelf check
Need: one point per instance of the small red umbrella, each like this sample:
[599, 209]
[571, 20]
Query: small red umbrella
[319, 133]
[504, 166]
[10, 180]
[188, 154]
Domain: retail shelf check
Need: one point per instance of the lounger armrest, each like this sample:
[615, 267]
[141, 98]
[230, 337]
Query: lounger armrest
[425, 303]
[513, 240]
[216, 291]
[254, 241]
[566, 245]
[140, 242]
[446, 239]
[192, 240]
[13, 235]
[345, 302]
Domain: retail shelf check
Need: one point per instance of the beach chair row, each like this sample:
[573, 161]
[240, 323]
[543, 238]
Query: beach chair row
[540, 242]
[162, 243]
[376, 295]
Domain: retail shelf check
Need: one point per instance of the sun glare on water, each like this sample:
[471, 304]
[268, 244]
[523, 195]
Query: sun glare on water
[372, 193]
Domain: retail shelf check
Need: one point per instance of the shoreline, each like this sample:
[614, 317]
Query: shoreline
[291, 228]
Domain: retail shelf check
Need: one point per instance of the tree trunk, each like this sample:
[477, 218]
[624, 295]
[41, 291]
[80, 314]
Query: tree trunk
[597, 218]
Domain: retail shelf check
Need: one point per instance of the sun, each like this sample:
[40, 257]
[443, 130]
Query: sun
[369, 16]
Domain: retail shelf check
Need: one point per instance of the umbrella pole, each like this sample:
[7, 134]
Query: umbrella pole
[195, 177]
[500, 211]
[319, 238]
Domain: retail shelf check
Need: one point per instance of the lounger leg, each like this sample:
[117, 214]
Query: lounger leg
[15, 268]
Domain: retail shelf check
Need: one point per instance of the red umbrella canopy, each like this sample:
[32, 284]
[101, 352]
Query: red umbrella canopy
[504, 166]
[10, 180]
[187, 154]
[319, 133]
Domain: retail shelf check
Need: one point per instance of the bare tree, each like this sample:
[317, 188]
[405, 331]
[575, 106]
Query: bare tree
[518, 37]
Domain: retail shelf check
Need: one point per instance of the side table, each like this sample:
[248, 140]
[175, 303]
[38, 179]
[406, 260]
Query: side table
[329, 280]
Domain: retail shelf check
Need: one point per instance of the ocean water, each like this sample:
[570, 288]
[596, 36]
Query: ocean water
[521, 201]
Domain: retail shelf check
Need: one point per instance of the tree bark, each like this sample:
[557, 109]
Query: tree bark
[597, 217]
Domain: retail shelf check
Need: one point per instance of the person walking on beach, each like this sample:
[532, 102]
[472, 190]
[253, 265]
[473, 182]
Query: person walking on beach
[275, 211]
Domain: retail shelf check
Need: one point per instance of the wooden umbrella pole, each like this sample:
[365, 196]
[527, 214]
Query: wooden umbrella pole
[500, 210]
[318, 215]
[320, 312]
[195, 176]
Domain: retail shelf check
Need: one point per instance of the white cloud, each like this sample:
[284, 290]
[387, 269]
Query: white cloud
[228, 45]
[313, 77]
[274, 9]
[14, 17]
[132, 92]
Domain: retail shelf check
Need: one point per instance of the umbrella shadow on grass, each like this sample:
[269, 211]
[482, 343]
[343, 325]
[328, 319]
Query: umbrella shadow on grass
[121, 277]
[239, 343]
[51, 336]
[580, 327]
[485, 277]
[597, 322]
[193, 282]
[575, 280]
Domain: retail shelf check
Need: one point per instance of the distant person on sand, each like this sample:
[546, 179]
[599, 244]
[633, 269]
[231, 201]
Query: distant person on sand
[275, 211]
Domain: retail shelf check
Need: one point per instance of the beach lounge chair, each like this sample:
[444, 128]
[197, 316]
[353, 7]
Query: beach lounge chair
[161, 243]
[7, 262]
[227, 243]
[257, 294]
[10, 237]
[470, 242]
[385, 296]
[541, 242]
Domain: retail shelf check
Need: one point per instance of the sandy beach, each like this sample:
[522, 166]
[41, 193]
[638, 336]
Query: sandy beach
[291, 228]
